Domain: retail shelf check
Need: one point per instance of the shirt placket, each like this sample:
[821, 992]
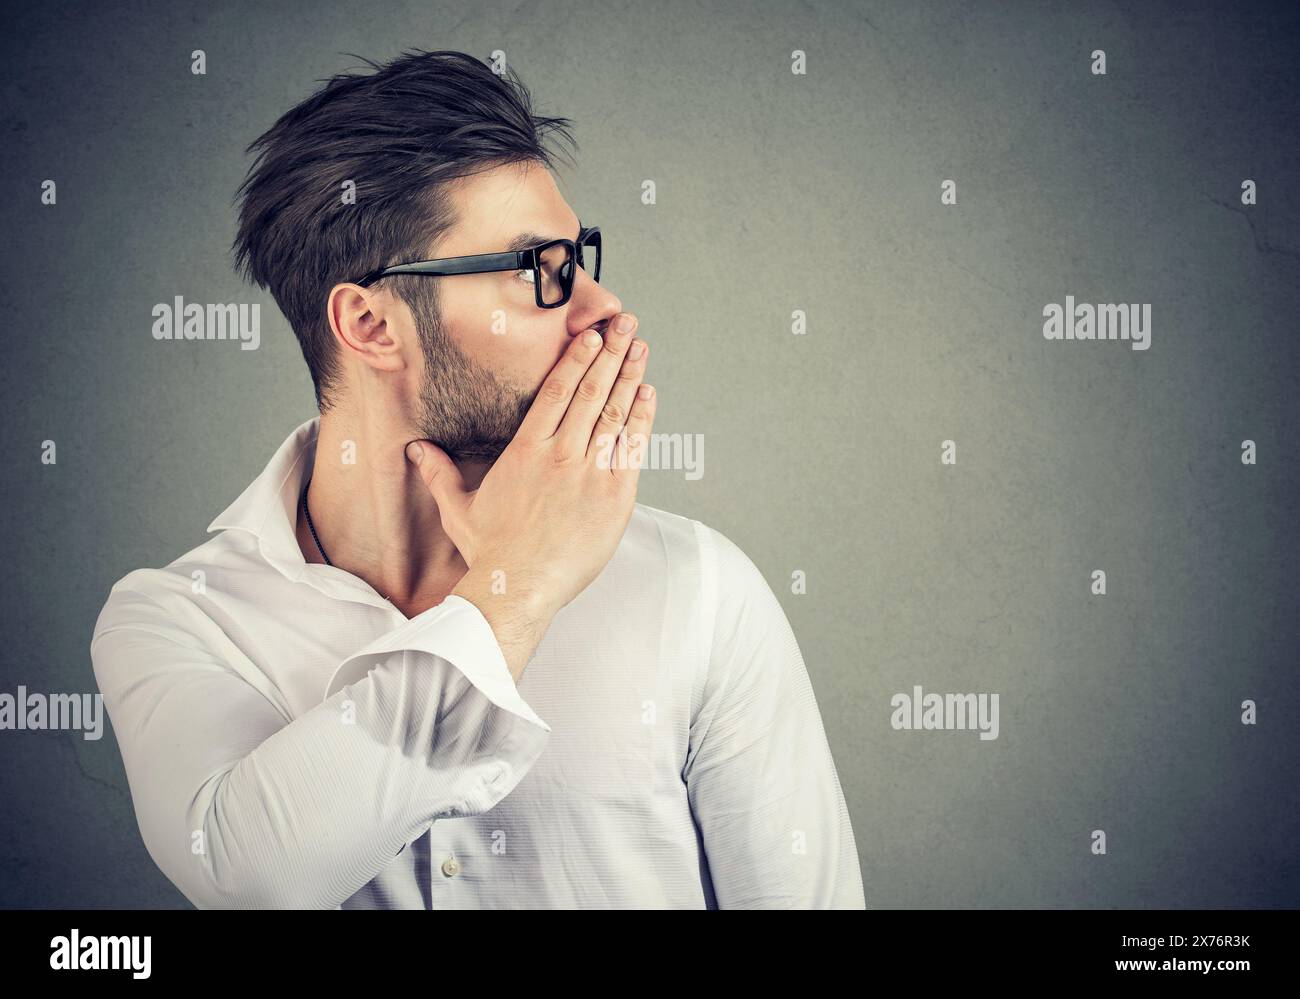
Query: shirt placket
[446, 866]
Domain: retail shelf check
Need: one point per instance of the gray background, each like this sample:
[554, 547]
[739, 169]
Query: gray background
[775, 192]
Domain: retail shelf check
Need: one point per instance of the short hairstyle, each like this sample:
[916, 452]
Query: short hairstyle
[400, 134]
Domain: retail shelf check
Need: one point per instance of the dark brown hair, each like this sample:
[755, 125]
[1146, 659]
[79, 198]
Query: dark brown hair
[400, 134]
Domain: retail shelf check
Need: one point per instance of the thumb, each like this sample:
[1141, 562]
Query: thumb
[442, 478]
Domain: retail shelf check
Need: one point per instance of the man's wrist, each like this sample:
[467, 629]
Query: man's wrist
[518, 614]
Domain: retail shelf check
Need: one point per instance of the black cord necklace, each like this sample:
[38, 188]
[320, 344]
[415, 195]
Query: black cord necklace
[310, 526]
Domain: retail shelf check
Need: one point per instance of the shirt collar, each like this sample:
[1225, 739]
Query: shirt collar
[268, 508]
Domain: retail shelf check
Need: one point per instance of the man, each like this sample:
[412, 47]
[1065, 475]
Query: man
[474, 673]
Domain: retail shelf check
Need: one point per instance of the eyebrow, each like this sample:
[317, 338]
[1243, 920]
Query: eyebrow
[528, 239]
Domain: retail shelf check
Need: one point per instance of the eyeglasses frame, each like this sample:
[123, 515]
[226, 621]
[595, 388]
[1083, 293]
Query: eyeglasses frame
[510, 260]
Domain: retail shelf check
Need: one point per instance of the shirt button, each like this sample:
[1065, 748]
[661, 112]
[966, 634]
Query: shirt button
[451, 867]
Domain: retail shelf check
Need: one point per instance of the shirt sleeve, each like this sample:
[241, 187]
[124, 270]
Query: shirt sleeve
[760, 778]
[241, 807]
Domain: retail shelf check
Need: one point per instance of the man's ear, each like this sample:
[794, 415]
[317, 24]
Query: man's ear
[368, 325]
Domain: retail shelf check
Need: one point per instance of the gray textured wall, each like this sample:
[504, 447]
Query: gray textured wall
[775, 192]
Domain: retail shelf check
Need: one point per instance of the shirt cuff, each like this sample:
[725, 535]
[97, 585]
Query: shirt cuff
[454, 630]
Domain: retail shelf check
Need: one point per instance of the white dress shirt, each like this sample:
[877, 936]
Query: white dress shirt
[291, 739]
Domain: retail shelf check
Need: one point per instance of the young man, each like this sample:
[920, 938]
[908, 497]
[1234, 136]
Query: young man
[326, 704]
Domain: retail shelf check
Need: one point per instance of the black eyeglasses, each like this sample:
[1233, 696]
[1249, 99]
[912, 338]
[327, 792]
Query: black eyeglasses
[551, 265]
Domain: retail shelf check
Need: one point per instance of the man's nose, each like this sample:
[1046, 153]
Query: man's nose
[592, 305]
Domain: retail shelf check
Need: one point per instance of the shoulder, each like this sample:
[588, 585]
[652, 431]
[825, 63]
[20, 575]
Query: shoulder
[677, 528]
[687, 545]
[165, 596]
[719, 569]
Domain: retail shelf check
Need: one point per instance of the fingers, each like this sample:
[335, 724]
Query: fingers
[552, 400]
[592, 392]
[614, 415]
[637, 436]
[441, 477]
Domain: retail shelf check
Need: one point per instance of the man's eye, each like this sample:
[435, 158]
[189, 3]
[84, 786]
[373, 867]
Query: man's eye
[526, 275]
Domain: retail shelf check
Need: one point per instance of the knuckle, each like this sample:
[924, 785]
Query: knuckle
[613, 413]
[588, 389]
[553, 390]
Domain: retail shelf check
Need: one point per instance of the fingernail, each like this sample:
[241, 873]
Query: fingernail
[623, 324]
[591, 338]
[636, 350]
[414, 452]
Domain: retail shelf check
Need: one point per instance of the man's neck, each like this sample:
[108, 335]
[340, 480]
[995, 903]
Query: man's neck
[374, 515]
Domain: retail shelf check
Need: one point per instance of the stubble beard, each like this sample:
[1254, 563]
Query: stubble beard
[465, 408]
